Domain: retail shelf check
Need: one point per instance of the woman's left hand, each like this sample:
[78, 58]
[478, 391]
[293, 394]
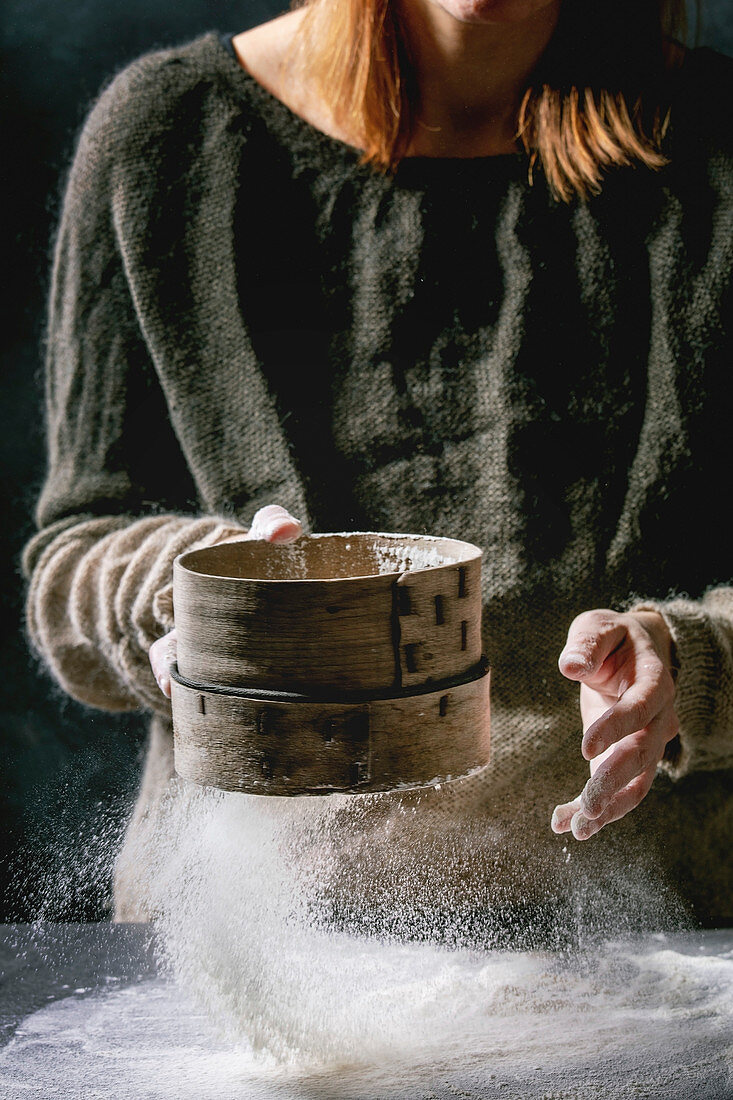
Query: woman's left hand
[624, 665]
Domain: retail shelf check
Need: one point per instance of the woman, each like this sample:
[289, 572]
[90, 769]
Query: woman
[457, 266]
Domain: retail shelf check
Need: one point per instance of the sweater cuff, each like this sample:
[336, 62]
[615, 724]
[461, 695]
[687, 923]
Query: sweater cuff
[90, 608]
[163, 597]
[704, 742]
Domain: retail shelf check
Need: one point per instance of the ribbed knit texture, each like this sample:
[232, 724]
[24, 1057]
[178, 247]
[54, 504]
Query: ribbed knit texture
[242, 314]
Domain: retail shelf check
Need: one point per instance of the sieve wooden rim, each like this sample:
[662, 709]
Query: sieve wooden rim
[463, 552]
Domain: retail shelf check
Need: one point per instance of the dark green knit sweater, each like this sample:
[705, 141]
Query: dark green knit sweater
[243, 314]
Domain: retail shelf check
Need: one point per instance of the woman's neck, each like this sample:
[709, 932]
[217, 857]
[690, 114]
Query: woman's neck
[471, 77]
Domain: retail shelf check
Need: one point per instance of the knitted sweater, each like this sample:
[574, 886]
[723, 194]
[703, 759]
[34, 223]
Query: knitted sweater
[242, 313]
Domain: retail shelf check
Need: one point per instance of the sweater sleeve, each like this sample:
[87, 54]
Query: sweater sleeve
[97, 602]
[702, 631]
[119, 501]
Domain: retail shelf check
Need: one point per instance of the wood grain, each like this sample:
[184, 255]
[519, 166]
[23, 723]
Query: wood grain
[329, 617]
[261, 746]
[315, 615]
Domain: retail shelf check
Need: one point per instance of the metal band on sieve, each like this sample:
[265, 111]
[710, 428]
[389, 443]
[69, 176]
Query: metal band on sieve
[476, 672]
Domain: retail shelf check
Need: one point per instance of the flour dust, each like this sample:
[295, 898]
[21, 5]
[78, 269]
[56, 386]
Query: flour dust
[247, 931]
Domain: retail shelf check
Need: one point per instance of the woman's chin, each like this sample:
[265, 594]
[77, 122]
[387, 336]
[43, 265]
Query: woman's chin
[486, 12]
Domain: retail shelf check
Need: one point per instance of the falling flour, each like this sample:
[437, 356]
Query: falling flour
[236, 888]
[266, 995]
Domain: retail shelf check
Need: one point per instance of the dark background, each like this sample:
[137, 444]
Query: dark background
[68, 773]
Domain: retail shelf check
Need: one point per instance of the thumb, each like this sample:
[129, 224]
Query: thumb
[274, 524]
[591, 638]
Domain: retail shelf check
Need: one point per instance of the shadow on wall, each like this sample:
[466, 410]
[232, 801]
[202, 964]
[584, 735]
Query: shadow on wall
[716, 25]
[70, 773]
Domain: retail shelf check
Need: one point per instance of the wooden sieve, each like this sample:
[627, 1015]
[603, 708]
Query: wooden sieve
[345, 662]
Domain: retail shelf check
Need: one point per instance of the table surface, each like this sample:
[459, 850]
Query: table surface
[85, 1012]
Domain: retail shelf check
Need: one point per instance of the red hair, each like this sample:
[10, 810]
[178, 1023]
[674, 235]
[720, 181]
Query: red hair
[596, 100]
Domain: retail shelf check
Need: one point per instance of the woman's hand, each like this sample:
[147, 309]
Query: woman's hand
[272, 524]
[624, 664]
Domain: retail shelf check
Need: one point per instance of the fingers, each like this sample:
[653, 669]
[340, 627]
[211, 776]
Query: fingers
[274, 524]
[623, 660]
[570, 817]
[650, 697]
[618, 806]
[631, 757]
[620, 781]
[592, 637]
[162, 655]
[617, 661]
[563, 815]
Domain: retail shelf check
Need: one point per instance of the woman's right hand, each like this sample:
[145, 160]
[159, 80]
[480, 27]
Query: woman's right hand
[271, 524]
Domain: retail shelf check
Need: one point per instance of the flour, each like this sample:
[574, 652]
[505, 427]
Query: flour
[357, 555]
[644, 1018]
[401, 559]
[237, 887]
[395, 553]
[263, 995]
